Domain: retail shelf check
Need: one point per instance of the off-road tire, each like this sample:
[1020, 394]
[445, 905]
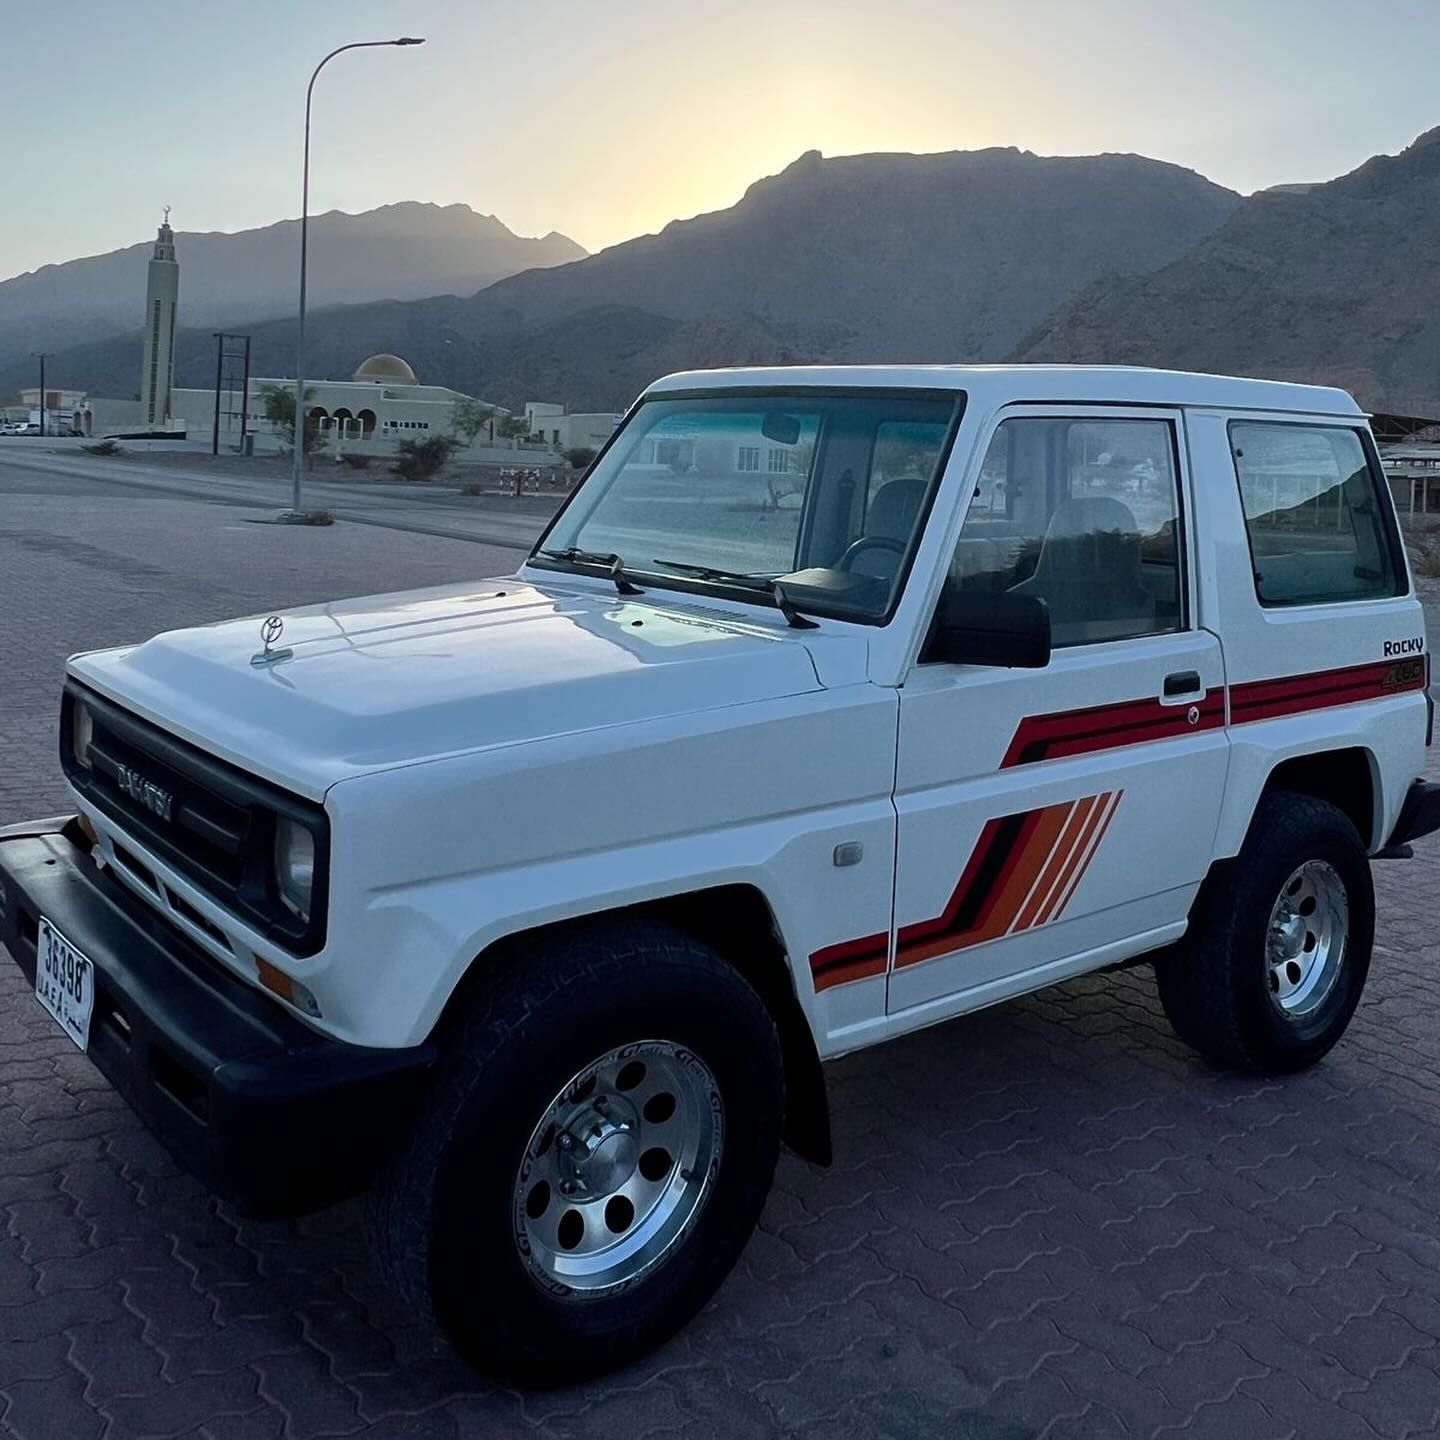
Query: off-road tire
[441, 1218]
[1214, 983]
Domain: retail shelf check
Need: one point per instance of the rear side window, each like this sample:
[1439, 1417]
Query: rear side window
[1313, 510]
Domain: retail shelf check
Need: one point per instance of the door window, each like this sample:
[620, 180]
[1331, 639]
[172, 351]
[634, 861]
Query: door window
[1083, 514]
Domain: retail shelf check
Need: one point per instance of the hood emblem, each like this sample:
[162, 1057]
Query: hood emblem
[272, 628]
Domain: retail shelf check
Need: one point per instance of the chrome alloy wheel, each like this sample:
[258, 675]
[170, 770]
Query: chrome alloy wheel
[1305, 944]
[618, 1168]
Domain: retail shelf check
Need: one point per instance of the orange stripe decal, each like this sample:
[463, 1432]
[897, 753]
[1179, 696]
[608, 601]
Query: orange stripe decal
[1061, 854]
[1052, 905]
[1022, 873]
[1039, 832]
[1094, 850]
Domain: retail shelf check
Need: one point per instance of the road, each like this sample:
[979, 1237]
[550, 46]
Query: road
[420, 509]
[1048, 1219]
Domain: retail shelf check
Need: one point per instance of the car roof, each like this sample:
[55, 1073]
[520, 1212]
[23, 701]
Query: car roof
[994, 385]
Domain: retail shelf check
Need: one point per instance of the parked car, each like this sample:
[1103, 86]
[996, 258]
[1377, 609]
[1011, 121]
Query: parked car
[541, 930]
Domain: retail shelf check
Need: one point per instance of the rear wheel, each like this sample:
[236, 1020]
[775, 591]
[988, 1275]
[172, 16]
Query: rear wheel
[1279, 947]
[599, 1144]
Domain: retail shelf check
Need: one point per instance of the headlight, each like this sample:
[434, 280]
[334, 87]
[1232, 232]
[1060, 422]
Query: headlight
[295, 866]
[82, 731]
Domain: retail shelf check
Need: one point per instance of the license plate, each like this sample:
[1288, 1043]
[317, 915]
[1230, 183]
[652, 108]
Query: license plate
[64, 983]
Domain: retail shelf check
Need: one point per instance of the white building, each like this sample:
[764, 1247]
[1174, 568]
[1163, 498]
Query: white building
[551, 425]
[162, 300]
[381, 405]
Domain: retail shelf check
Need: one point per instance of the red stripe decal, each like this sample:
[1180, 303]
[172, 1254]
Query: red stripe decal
[1133, 722]
[850, 960]
[1320, 690]
[1005, 893]
[1107, 727]
[1031, 864]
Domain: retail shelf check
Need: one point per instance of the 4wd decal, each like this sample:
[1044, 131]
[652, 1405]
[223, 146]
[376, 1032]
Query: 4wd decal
[1023, 872]
[1322, 689]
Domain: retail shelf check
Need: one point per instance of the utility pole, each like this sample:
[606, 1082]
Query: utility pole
[219, 361]
[43, 359]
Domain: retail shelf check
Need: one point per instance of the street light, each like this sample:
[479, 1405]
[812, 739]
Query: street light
[298, 445]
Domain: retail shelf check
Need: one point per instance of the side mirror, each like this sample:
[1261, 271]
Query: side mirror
[974, 627]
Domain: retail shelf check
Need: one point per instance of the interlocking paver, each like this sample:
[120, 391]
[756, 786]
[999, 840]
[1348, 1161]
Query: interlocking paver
[1048, 1219]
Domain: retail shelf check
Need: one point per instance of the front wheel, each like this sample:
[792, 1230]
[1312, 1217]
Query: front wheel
[1279, 947]
[599, 1144]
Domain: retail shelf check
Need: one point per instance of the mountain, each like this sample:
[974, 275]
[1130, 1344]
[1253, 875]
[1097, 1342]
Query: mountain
[1337, 283]
[398, 252]
[868, 257]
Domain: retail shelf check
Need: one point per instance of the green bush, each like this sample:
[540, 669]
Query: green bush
[357, 462]
[579, 456]
[424, 459]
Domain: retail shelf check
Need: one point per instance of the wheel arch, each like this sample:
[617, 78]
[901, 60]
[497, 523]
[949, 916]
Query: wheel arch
[1348, 777]
[738, 923]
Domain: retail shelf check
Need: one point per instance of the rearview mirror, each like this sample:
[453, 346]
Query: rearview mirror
[977, 627]
[782, 429]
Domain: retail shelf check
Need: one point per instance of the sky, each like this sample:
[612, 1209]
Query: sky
[607, 120]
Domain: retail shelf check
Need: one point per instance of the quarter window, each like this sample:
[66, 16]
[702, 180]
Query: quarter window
[1313, 513]
[1083, 514]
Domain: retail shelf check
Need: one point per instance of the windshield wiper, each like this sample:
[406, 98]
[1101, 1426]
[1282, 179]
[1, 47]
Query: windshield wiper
[742, 581]
[574, 555]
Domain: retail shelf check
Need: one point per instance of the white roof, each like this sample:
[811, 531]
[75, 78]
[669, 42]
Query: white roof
[991, 385]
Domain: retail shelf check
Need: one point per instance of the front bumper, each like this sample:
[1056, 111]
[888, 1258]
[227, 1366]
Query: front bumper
[270, 1114]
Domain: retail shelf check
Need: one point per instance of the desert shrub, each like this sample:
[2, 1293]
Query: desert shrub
[357, 462]
[102, 447]
[579, 456]
[424, 459]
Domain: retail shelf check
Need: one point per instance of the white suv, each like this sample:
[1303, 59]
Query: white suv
[835, 703]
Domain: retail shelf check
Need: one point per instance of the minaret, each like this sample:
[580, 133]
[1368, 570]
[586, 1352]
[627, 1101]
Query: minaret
[162, 297]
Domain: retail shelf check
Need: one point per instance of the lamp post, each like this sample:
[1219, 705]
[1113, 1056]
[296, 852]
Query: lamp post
[298, 444]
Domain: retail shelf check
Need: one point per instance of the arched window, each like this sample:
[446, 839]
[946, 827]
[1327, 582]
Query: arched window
[367, 423]
[318, 412]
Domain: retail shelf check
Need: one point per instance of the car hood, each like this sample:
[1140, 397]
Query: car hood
[391, 680]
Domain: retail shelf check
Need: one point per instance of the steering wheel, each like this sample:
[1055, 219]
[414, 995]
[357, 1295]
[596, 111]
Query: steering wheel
[869, 542]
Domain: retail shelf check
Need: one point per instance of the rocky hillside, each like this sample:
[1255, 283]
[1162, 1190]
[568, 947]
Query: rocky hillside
[1338, 283]
[870, 257]
[398, 252]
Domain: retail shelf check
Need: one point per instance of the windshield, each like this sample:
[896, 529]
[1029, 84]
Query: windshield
[821, 491]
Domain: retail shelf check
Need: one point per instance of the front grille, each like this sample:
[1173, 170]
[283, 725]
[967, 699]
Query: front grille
[214, 823]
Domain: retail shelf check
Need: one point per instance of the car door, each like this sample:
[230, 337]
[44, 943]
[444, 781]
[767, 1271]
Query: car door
[1051, 820]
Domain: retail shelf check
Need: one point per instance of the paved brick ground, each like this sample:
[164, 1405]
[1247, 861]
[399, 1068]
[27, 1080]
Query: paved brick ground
[1047, 1219]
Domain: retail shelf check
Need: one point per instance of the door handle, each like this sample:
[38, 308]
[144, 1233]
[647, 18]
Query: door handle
[1182, 682]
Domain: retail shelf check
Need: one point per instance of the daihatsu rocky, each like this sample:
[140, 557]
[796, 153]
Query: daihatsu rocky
[834, 703]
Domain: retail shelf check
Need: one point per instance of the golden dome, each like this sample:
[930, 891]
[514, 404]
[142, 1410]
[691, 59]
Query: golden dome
[385, 369]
